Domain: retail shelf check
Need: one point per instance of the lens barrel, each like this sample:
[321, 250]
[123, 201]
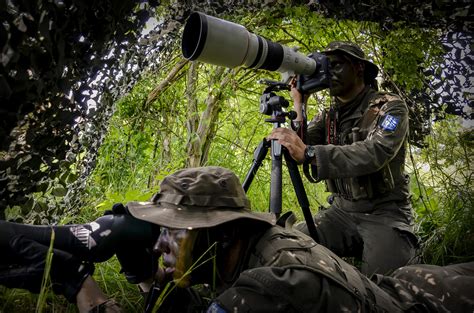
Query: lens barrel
[215, 41]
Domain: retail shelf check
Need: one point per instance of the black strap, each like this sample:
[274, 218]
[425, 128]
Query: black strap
[331, 124]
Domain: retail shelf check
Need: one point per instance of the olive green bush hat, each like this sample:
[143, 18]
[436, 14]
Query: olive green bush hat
[353, 50]
[198, 197]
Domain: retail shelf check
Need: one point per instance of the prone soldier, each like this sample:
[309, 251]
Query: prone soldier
[258, 265]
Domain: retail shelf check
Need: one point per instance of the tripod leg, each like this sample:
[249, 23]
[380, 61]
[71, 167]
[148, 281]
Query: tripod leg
[258, 156]
[276, 179]
[301, 195]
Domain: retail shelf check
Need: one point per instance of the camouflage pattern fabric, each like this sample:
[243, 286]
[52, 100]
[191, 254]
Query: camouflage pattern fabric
[453, 285]
[371, 223]
[198, 197]
[372, 239]
[431, 288]
[287, 272]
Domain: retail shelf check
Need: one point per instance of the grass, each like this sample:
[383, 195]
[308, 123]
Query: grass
[108, 276]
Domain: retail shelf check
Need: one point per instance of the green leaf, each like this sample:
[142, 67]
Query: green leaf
[59, 191]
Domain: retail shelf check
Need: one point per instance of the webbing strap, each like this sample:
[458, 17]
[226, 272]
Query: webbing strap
[199, 200]
[331, 124]
[312, 257]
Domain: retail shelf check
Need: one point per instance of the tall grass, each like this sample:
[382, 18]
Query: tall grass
[443, 194]
[46, 281]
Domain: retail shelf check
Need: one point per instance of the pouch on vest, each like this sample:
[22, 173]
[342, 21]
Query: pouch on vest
[380, 182]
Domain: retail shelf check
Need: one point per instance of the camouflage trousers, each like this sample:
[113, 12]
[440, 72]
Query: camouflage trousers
[431, 288]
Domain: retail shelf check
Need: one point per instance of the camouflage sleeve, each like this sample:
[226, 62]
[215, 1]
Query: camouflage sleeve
[316, 130]
[386, 136]
[279, 289]
[453, 284]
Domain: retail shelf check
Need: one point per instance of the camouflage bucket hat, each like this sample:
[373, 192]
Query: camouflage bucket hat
[353, 50]
[198, 198]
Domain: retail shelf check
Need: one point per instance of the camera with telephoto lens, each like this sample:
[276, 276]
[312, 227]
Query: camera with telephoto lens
[219, 42]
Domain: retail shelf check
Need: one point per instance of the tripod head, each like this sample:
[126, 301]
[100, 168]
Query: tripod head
[272, 104]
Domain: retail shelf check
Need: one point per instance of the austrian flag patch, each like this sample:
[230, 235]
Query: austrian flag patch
[390, 123]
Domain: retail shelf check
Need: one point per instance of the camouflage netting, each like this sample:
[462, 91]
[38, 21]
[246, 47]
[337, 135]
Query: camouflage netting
[65, 63]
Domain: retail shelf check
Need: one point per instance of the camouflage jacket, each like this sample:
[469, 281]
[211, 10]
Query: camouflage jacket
[288, 272]
[360, 150]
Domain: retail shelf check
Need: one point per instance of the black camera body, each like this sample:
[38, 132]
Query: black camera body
[317, 81]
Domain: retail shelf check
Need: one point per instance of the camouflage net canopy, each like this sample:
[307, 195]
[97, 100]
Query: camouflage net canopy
[65, 63]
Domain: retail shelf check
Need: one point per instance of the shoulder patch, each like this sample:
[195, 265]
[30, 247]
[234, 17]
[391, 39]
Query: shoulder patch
[215, 308]
[389, 123]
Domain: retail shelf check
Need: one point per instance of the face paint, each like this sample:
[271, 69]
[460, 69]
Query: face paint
[343, 74]
[176, 247]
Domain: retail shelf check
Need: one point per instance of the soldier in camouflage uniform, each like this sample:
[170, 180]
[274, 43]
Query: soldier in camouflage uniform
[210, 236]
[358, 147]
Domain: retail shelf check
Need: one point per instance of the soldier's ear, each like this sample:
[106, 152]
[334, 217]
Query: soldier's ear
[228, 235]
[360, 66]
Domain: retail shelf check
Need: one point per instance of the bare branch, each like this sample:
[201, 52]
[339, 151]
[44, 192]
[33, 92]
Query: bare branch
[152, 96]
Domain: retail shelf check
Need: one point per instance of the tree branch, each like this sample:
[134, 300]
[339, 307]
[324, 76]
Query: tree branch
[152, 96]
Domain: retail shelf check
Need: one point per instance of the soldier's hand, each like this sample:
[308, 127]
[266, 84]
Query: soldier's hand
[295, 94]
[290, 140]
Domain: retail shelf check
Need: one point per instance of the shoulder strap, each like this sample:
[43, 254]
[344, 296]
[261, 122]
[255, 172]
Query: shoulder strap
[312, 175]
[308, 255]
[331, 126]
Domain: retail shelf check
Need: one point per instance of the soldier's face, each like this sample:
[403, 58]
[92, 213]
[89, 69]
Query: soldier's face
[175, 247]
[168, 245]
[343, 74]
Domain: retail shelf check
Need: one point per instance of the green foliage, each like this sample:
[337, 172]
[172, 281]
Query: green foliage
[443, 194]
[407, 51]
[46, 281]
[107, 275]
[114, 285]
[137, 153]
[21, 301]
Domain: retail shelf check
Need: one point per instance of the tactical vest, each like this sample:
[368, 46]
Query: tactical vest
[280, 247]
[367, 186]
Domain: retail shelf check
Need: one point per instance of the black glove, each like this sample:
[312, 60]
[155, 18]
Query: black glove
[117, 208]
[67, 273]
[132, 240]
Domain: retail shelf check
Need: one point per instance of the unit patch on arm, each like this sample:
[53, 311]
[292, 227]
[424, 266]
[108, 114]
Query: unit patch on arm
[389, 123]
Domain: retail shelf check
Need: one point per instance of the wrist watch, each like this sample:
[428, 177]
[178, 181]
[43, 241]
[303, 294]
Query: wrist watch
[309, 154]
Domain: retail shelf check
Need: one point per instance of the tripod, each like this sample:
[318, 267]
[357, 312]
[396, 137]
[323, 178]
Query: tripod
[272, 104]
